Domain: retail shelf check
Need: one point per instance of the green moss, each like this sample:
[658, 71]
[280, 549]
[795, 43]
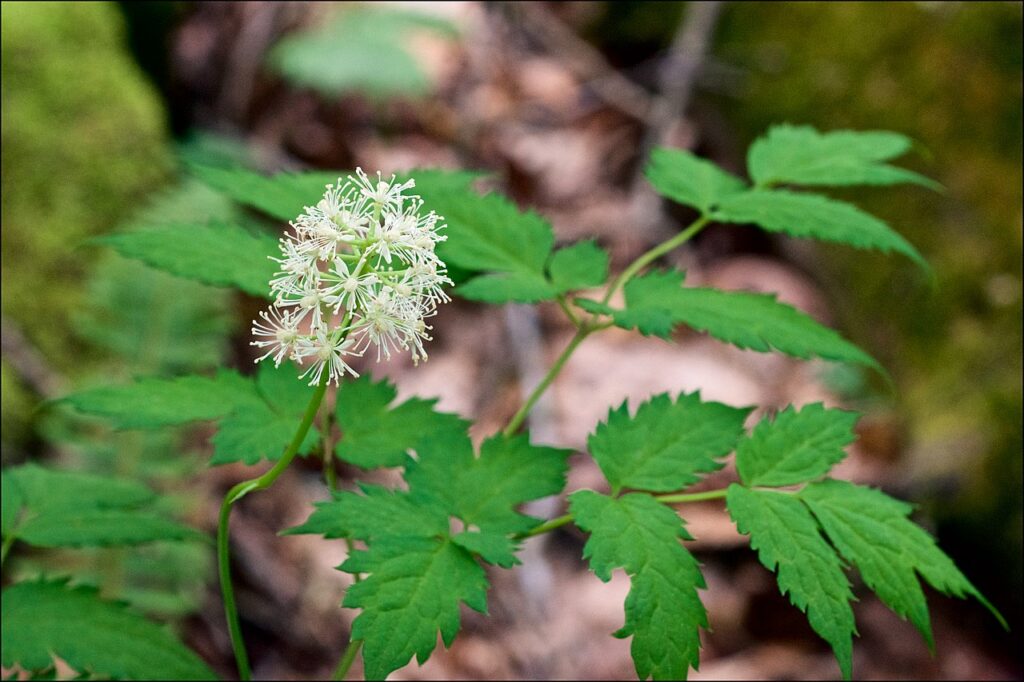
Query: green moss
[83, 139]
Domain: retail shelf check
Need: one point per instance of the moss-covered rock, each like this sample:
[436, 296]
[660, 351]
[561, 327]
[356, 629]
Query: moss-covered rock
[83, 139]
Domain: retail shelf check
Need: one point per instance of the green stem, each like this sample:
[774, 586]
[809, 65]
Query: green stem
[661, 249]
[347, 659]
[546, 527]
[238, 492]
[564, 305]
[678, 498]
[518, 417]
[330, 470]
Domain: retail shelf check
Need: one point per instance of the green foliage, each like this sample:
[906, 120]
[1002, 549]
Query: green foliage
[872, 531]
[419, 570]
[67, 509]
[663, 611]
[257, 418]
[374, 435]
[413, 591]
[285, 195]
[43, 619]
[812, 215]
[579, 266]
[362, 50]
[788, 542]
[656, 302]
[800, 155]
[687, 179]
[152, 402]
[219, 253]
[797, 446]
[491, 235]
[666, 445]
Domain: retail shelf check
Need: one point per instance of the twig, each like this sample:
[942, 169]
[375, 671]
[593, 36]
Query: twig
[28, 362]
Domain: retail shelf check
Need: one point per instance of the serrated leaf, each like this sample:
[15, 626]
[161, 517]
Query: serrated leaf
[484, 491]
[377, 435]
[579, 266]
[41, 489]
[505, 287]
[655, 302]
[75, 527]
[871, 530]
[788, 543]
[666, 445]
[800, 155]
[285, 195]
[494, 548]
[378, 512]
[412, 591]
[152, 402]
[43, 619]
[257, 432]
[797, 446]
[663, 611]
[219, 254]
[817, 217]
[688, 179]
[489, 234]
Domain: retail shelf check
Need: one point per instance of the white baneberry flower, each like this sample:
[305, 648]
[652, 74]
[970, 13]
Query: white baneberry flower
[359, 270]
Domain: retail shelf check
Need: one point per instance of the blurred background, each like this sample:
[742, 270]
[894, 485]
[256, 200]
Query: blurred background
[106, 105]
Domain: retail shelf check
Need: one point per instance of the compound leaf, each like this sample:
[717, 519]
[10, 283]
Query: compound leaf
[817, 217]
[655, 302]
[797, 446]
[153, 402]
[800, 155]
[691, 180]
[378, 512]
[579, 266]
[377, 435]
[413, 590]
[871, 530]
[43, 619]
[663, 610]
[788, 542]
[219, 254]
[71, 527]
[666, 445]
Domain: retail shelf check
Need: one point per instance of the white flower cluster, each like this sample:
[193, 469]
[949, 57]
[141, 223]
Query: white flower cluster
[359, 271]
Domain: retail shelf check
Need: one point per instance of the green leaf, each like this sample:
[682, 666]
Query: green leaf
[688, 179]
[484, 491]
[796, 446]
[666, 445]
[153, 402]
[219, 253]
[579, 266]
[11, 502]
[40, 489]
[75, 527]
[871, 530]
[817, 217]
[489, 234]
[257, 432]
[364, 49]
[663, 611]
[412, 591]
[378, 512]
[788, 542]
[655, 302]
[494, 548]
[376, 435]
[43, 619]
[285, 195]
[282, 196]
[800, 155]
